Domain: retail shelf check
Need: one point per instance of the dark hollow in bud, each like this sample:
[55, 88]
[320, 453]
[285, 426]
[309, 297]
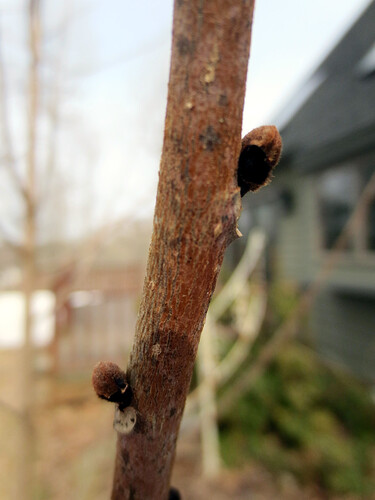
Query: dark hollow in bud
[260, 153]
[109, 383]
[174, 494]
[253, 170]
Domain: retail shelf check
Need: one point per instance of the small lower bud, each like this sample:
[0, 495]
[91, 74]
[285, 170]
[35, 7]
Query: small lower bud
[109, 383]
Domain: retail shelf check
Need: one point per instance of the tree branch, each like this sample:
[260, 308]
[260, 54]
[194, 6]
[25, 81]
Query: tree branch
[197, 208]
[9, 157]
[250, 323]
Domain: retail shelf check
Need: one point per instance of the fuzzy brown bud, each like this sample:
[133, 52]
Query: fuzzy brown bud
[109, 383]
[260, 153]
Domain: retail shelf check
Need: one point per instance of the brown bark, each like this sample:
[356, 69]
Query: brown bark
[197, 208]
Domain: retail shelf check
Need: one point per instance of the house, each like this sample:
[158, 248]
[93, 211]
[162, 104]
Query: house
[85, 300]
[328, 159]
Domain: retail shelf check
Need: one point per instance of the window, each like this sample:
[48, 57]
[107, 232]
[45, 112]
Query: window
[339, 190]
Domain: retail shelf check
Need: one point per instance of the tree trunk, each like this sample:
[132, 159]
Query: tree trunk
[197, 207]
[26, 484]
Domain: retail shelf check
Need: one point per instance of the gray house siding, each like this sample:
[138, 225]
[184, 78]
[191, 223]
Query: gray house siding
[296, 239]
[344, 330]
[299, 242]
[328, 158]
[342, 320]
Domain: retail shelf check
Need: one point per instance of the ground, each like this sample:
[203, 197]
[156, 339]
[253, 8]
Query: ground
[75, 448]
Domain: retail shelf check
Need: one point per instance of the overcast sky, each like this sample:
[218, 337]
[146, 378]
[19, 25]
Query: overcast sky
[119, 54]
[126, 100]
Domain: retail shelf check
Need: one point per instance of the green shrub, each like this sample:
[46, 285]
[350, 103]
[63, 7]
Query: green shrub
[302, 418]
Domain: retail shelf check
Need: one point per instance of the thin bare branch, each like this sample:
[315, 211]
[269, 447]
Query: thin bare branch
[8, 158]
[248, 325]
[209, 431]
[238, 279]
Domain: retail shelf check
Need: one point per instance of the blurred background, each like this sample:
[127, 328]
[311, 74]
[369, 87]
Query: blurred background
[282, 399]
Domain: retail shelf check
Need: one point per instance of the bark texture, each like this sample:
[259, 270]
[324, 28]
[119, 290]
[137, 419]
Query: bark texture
[197, 207]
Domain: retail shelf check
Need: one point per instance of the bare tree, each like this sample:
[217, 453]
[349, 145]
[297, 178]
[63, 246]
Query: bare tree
[30, 176]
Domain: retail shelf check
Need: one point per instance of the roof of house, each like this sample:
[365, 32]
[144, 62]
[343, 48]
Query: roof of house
[336, 119]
